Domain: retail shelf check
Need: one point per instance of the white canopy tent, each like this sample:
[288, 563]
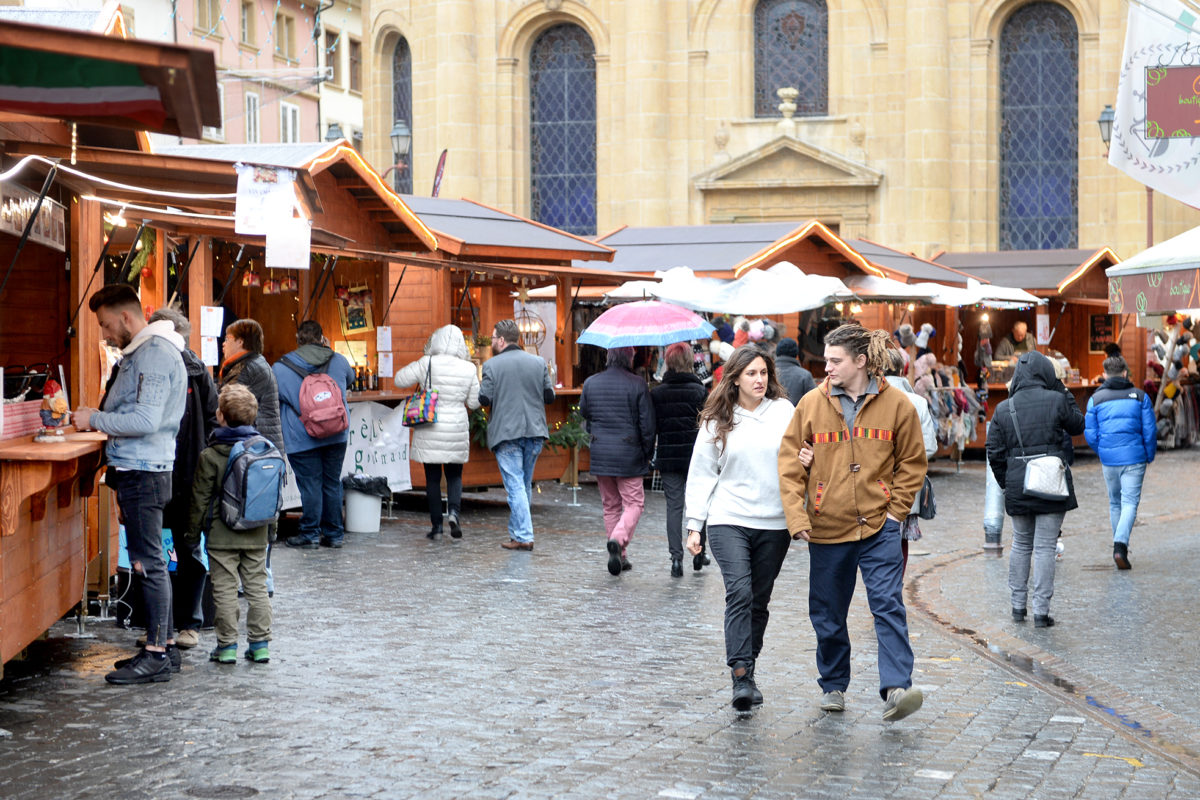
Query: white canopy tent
[780, 289]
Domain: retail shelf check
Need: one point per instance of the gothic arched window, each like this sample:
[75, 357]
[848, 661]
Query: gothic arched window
[402, 108]
[562, 127]
[1039, 131]
[791, 48]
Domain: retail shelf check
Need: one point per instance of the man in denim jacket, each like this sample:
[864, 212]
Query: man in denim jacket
[140, 413]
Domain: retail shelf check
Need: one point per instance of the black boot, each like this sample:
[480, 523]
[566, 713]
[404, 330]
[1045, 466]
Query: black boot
[700, 560]
[676, 567]
[743, 685]
[756, 695]
[1121, 555]
[434, 532]
[1043, 621]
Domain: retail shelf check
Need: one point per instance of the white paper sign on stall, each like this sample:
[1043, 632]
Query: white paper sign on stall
[212, 319]
[265, 197]
[289, 243]
[383, 339]
[209, 353]
[1043, 329]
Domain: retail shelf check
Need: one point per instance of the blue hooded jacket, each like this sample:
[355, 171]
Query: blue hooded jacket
[1120, 424]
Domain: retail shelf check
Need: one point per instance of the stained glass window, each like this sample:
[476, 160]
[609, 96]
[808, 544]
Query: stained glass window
[1039, 131]
[562, 121]
[791, 48]
[402, 109]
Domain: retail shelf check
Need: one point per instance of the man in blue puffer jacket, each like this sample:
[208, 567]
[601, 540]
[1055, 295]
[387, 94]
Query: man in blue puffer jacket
[1120, 428]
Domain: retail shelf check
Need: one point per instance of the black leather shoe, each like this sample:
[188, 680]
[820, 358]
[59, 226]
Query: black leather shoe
[1043, 621]
[743, 688]
[676, 567]
[1018, 615]
[756, 697]
[434, 532]
[1121, 555]
[173, 658]
[700, 561]
[455, 528]
[301, 542]
[614, 557]
[333, 544]
[625, 565]
[145, 667]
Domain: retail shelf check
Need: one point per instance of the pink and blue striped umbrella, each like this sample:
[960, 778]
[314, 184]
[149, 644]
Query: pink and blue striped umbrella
[648, 323]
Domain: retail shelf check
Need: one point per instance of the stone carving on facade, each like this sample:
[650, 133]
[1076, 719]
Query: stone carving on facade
[553, 5]
[721, 139]
[858, 136]
[787, 125]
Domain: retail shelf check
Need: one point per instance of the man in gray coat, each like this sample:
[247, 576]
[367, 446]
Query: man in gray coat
[516, 387]
[795, 378]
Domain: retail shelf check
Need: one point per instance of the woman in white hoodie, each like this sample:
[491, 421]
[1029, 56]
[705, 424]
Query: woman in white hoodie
[444, 445]
[733, 486]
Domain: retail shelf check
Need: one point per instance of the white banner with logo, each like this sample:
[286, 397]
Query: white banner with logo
[377, 445]
[1162, 39]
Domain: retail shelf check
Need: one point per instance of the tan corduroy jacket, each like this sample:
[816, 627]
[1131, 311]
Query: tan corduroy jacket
[857, 477]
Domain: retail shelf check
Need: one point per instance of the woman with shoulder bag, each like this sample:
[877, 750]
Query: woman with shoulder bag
[1026, 453]
[444, 444]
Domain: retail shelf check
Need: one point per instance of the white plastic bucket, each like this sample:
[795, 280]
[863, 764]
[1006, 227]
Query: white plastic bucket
[362, 512]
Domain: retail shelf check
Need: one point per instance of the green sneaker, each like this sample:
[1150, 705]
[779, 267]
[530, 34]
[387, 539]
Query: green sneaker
[900, 703]
[258, 653]
[224, 654]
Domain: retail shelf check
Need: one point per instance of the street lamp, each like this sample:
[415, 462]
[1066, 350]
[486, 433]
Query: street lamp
[334, 132]
[401, 137]
[1107, 116]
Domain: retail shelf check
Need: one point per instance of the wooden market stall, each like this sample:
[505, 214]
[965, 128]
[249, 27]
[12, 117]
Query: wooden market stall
[1076, 317]
[57, 532]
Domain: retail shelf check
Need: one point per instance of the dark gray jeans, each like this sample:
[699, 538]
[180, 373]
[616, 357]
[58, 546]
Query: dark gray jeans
[674, 486]
[750, 560]
[142, 497]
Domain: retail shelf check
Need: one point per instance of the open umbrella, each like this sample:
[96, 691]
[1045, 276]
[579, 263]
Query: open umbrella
[646, 323]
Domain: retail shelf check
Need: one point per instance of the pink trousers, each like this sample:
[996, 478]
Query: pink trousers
[623, 500]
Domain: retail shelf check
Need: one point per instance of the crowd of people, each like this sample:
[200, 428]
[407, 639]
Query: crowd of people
[766, 457]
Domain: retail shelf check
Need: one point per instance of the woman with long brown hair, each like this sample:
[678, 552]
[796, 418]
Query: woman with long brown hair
[733, 487]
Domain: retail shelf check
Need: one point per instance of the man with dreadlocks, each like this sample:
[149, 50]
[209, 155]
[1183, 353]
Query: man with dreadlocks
[868, 465]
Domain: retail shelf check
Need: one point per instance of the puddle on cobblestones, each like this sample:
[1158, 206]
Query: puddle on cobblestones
[224, 791]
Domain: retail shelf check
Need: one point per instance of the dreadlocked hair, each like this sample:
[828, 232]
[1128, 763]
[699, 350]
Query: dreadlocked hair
[723, 398]
[859, 341]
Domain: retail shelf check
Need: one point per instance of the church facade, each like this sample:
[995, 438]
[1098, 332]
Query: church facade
[925, 125]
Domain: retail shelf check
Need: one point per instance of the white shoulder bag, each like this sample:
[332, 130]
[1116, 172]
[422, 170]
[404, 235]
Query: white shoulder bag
[1045, 475]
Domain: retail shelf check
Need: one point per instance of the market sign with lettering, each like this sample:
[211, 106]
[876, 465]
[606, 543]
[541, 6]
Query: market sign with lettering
[1172, 102]
[1154, 292]
[16, 206]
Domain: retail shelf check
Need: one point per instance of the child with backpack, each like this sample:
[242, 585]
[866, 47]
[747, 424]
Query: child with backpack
[235, 496]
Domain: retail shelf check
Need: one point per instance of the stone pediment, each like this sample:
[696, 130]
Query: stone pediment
[785, 162]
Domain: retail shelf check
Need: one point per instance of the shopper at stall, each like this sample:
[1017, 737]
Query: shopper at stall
[244, 363]
[199, 419]
[733, 488]
[1120, 427]
[235, 556]
[1014, 343]
[677, 403]
[516, 387]
[316, 461]
[795, 378]
[867, 469]
[1030, 423]
[141, 413]
[445, 445]
[620, 422]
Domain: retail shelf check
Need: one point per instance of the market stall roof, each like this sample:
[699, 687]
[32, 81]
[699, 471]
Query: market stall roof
[1160, 279]
[1046, 273]
[702, 248]
[917, 269]
[80, 76]
[873, 287]
[468, 229]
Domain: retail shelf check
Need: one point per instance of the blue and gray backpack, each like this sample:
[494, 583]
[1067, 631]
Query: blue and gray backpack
[252, 488]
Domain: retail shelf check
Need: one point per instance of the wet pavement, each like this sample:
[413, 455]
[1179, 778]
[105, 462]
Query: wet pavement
[408, 668]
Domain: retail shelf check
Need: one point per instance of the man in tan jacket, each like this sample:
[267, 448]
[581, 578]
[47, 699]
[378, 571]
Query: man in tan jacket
[868, 463]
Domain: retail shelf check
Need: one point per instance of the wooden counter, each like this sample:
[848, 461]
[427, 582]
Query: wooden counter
[45, 545]
[998, 392]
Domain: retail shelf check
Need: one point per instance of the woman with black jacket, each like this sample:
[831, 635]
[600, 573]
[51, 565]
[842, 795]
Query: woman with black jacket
[1046, 413]
[677, 403]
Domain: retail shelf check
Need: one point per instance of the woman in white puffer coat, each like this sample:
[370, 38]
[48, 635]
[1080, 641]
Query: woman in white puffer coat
[445, 444]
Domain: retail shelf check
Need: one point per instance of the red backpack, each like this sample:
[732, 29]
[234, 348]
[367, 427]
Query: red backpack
[322, 408]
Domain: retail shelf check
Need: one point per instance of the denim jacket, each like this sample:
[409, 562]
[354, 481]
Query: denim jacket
[145, 402]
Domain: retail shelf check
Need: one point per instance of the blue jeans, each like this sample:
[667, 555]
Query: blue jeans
[516, 459]
[319, 479]
[1124, 494]
[142, 497]
[832, 575]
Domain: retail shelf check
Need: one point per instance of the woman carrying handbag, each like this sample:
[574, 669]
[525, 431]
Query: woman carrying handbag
[1026, 453]
[443, 445]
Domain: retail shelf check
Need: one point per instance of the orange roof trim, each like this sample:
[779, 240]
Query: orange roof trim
[1082, 269]
[810, 228]
[343, 152]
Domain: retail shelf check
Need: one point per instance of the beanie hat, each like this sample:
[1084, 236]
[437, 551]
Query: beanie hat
[787, 347]
[906, 336]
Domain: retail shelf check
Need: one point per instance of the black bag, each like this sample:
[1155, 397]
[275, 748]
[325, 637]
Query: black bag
[926, 505]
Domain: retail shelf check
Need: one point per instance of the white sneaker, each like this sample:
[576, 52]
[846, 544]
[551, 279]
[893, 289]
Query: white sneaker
[1058, 551]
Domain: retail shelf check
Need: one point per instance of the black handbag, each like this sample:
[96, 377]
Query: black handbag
[926, 504]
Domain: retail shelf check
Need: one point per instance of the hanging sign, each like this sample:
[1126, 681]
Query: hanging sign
[265, 198]
[289, 243]
[1043, 329]
[16, 206]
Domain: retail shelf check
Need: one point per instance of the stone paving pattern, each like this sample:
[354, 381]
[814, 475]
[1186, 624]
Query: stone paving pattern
[408, 668]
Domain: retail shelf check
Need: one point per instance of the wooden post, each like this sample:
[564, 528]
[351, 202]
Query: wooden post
[564, 334]
[199, 285]
[87, 241]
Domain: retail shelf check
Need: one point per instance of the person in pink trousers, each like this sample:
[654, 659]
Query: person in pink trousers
[620, 420]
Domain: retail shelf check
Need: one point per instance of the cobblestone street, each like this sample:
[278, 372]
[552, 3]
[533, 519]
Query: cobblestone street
[408, 668]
